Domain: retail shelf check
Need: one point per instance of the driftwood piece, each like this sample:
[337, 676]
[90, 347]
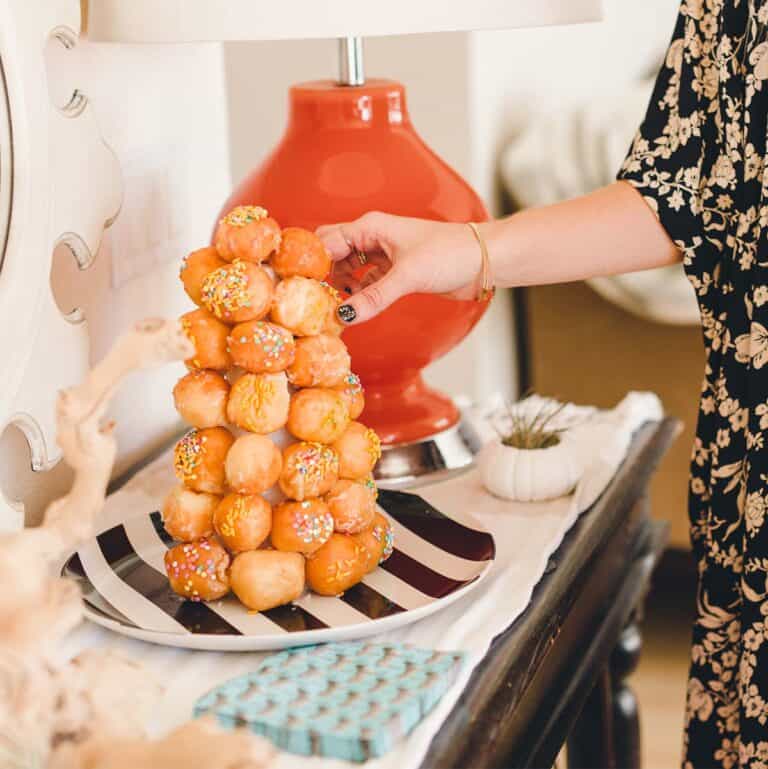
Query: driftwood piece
[89, 713]
[197, 743]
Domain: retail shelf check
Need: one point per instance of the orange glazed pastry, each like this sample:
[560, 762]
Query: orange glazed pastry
[351, 391]
[332, 323]
[301, 527]
[258, 347]
[195, 269]
[338, 565]
[247, 232]
[201, 398]
[302, 253]
[209, 336]
[378, 541]
[264, 579]
[259, 402]
[301, 305]
[198, 459]
[198, 570]
[238, 292]
[320, 361]
[242, 521]
[188, 515]
[309, 470]
[253, 464]
[317, 414]
[352, 505]
[359, 450]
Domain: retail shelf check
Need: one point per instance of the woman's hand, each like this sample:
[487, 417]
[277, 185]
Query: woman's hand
[404, 256]
[607, 232]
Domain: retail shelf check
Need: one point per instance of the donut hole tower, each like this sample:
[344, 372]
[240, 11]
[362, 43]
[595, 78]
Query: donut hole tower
[276, 488]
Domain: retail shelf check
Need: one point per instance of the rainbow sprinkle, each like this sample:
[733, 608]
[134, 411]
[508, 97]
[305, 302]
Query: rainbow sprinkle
[315, 461]
[225, 290]
[195, 560]
[187, 455]
[370, 484]
[271, 338]
[352, 385]
[242, 215]
[311, 527]
[389, 539]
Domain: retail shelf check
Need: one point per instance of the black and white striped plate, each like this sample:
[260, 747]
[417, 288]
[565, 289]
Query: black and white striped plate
[437, 559]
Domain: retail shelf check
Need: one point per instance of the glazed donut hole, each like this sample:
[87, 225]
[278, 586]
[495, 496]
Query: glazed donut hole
[247, 233]
[242, 521]
[259, 403]
[259, 347]
[209, 336]
[238, 292]
[253, 464]
[264, 579]
[301, 527]
[359, 450]
[188, 515]
[198, 459]
[195, 268]
[352, 505]
[302, 253]
[337, 566]
[287, 501]
[309, 470]
[201, 397]
[352, 393]
[377, 541]
[332, 325]
[317, 415]
[301, 305]
[319, 361]
[198, 570]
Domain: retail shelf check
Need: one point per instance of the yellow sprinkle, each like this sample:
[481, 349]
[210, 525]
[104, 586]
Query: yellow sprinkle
[242, 215]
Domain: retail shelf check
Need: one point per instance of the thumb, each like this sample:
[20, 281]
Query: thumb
[369, 302]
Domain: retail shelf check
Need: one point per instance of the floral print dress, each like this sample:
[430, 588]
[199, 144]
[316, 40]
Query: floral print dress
[699, 160]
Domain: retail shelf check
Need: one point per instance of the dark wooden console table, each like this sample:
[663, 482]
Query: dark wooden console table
[557, 674]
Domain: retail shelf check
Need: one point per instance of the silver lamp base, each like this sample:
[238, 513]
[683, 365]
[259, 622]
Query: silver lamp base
[438, 456]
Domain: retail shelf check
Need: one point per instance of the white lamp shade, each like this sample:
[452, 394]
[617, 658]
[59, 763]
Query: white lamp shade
[157, 21]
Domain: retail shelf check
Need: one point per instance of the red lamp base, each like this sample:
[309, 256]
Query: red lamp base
[421, 409]
[348, 150]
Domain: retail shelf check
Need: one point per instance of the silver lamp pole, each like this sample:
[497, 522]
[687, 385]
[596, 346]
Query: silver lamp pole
[351, 71]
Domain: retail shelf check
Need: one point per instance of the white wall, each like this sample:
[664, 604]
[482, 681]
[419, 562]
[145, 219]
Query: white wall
[162, 110]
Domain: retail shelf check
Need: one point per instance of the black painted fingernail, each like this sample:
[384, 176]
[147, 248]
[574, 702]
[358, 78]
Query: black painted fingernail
[346, 312]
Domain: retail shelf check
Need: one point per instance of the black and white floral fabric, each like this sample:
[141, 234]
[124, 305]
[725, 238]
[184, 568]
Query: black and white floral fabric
[699, 159]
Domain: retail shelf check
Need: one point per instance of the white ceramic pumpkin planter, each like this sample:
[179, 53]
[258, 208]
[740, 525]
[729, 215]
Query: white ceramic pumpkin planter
[530, 475]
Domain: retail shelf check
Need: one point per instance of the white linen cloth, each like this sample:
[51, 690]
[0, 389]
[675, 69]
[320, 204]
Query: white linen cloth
[526, 535]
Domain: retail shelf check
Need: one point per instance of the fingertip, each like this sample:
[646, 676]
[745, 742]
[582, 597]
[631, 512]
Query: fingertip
[347, 312]
[333, 239]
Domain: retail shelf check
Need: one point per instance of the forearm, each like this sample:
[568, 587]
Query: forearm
[607, 232]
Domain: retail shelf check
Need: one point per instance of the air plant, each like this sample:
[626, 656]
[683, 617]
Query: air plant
[527, 429]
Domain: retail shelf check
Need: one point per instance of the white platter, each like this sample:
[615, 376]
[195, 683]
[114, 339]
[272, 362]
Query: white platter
[436, 560]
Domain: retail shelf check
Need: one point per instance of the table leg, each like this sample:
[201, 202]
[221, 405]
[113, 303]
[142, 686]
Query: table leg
[626, 716]
[607, 732]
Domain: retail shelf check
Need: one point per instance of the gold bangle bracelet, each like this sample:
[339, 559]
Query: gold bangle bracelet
[486, 289]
